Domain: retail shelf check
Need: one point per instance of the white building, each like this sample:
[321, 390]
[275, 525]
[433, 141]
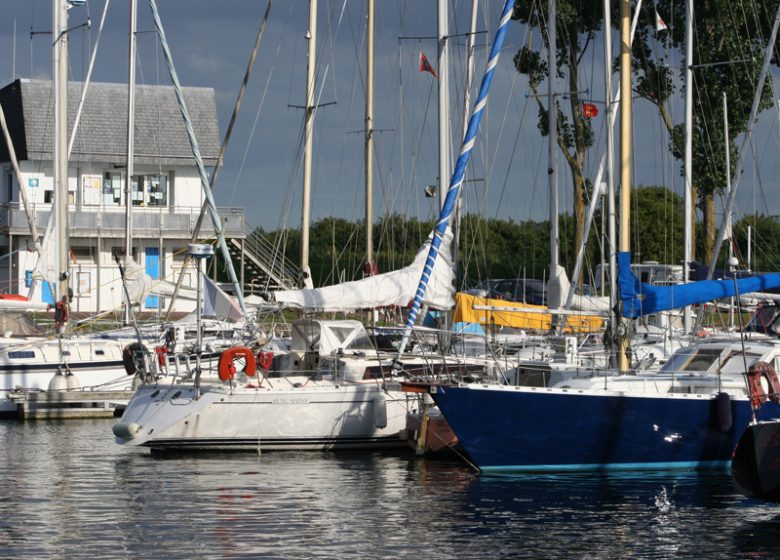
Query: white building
[167, 194]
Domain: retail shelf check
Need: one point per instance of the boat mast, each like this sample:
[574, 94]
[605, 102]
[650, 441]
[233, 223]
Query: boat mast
[625, 149]
[610, 167]
[688, 163]
[311, 36]
[727, 160]
[369, 139]
[552, 132]
[60, 90]
[470, 42]
[130, 149]
[444, 100]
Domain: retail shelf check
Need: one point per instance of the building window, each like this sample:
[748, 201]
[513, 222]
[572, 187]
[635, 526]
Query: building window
[138, 190]
[156, 190]
[91, 189]
[112, 189]
[83, 254]
[147, 190]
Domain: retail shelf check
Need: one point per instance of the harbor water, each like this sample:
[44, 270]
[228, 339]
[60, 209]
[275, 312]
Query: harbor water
[68, 491]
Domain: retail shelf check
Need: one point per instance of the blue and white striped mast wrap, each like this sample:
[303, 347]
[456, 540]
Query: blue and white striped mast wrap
[453, 191]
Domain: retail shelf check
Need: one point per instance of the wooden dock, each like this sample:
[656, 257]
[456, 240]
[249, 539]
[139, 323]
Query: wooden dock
[47, 405]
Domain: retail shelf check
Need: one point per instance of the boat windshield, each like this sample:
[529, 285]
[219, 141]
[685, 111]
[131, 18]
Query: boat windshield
[702, 360]
[351, 338]
[739, 362]
[692, 360]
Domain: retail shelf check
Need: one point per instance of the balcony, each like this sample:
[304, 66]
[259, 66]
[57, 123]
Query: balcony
[159, 222]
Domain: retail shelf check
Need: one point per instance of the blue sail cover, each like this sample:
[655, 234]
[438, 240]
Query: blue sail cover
[642, 299]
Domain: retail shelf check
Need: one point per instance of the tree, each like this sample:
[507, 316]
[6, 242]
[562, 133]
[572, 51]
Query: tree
[657, 225]
[577, 22]
[729, 40]
[765, 241]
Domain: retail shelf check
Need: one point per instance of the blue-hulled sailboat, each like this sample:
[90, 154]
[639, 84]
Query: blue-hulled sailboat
[689, 415]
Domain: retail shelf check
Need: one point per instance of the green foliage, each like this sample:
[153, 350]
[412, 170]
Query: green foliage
[489, 248]
[730, 38]
[765, 237]
[530, 63]
[657, 222]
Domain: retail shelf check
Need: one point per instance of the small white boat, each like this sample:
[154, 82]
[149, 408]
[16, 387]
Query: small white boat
[333, 390]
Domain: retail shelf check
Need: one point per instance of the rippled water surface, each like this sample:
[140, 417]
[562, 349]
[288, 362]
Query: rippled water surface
[67, 491]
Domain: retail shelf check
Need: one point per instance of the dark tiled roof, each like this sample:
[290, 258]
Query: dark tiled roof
[160, 136]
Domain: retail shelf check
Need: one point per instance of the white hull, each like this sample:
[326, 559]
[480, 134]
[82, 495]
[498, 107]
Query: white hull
[314, 415]
[96, 364]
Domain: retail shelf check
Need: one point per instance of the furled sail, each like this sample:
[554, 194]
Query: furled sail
[642, 299]
[558, 288]
[391, 288]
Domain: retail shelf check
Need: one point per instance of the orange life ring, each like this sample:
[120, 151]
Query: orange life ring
[265, 359]
[227, 365]
[758, 396]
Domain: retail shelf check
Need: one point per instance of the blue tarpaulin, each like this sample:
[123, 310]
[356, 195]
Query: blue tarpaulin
[642, 299]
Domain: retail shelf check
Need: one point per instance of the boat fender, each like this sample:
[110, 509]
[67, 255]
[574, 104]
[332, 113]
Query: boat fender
[723, 407]
[125, 430]
[380, 411]
[129, 357]
[756, 375]
[227, 362]
[265, 359]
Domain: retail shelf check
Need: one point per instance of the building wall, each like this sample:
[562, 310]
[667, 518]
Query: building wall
[99, 189]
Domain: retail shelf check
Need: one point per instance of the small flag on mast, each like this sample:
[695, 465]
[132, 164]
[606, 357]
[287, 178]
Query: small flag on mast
[589, 110]
[425, 66]
[660, 25]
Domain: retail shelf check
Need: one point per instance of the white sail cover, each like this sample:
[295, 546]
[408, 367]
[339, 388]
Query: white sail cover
[558, 290]
[395, 288]
[45, 270]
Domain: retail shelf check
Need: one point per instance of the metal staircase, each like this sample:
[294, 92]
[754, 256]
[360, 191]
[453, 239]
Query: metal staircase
[265, 268]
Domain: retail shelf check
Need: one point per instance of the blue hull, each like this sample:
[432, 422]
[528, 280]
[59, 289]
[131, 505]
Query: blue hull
[507, 429]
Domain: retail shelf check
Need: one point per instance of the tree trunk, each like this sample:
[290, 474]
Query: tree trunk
[577, 162]
[710, 227]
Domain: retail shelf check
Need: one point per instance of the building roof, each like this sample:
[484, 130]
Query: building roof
[160, 135]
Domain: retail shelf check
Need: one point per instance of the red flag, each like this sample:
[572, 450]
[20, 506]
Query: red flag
[425, 66]
[589, 110]
[660, 24]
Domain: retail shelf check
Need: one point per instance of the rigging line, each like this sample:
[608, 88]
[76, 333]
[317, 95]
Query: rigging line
[292, 169]
[757, 174]
[492, 165]
[155, 130]
[215, 218]
[259, 108]
[511, 159]
[331, 40]
[341, 169]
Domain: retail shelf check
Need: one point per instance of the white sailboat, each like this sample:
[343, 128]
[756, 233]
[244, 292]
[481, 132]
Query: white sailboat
[332, 390]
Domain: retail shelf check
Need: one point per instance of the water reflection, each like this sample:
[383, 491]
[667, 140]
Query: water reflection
[67, 490]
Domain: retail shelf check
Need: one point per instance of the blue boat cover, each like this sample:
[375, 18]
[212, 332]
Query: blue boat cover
[642, 299]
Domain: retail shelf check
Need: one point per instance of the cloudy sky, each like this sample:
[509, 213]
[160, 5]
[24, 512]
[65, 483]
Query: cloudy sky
[211, 43]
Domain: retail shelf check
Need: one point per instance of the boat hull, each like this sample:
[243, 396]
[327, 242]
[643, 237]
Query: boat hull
[317, 417]
[517, 429]
[756, 464]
